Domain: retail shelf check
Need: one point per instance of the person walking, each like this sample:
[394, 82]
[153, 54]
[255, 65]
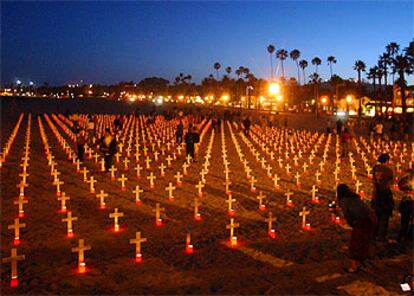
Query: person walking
[80, 142]
[107, 145]
[382, 200]
[191, 138]
[363, 222]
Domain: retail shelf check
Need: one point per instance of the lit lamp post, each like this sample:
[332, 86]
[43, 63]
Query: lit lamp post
[274, 91]
[248, 93]
[348, 101]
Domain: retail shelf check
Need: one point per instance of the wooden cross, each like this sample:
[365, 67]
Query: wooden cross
[96, 156]
[270, 221]
[103, 165]
[317, 174]
[252, 182]
[24, 175]
[63, 198]
[92, 182]
[287, 167]
[21, 187]
[168, 159]
[260, 198]
[158, 211]
[200, 187]
[275, 181]
[117, 156]
[55, 175]
[126, 161]
[116, 215]
[156, 153]
[295, 160]
[280, 161]
[297, 177]
[230, 201]
[147, 162]
[358, 185]
[13, 260]
[227, 184]
[305, 167]
[137, 241]
[137, 193]
[314, 190]
[178, 177]
[162, 168]
[151, 178]
[123, 179]
[353, 171]
[288, 194]
[16, 226]
[101, 195]
[85, 174]
[188, 158]
[138, 169]
[232, 226]
[80, 249]
[20, 201]
[170, 190]
[112, 170]
[304, 213]
[196, 205]
[69, 219]
[185, 166]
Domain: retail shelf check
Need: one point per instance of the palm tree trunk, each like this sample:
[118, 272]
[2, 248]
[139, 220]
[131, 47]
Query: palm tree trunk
[283, 69]
[403, 96]
[330, 66]
[304, 76]
[297, 65]
[360, 95]
[271, 67]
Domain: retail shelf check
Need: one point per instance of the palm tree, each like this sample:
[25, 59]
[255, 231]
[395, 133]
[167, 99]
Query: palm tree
[217, 67]
[383, 62]
[294, 55]
[359, 67]
[372, 74]
[331, 60]
[270, 50]
[303, 64]
[392, 49]
[228, 71]
[282, 54]
[316, 61]
[401, 65]
[239, 72]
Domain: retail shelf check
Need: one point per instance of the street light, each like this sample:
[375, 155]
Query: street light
[274, 91]
[348, 101]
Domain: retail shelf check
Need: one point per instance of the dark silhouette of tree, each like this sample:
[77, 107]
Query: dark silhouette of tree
[270, 50]
[228, 71]
[316, 62]
[401, 65]
[392, 49]
[331, 60]
[303, 64]
[359, 66]
[294, 55]
[217, 67]
[282, 54]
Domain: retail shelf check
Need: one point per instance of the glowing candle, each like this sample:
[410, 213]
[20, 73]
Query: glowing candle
[158, 210]
[232, 226]
[261, 197]
[270, 219]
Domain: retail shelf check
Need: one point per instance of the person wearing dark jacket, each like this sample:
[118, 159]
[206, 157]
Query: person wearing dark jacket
[382, 201]
[179, 133]
[191, 138]
[406, 185]
[363, 222]
[107, 145]
[80, 142]
[246, 124]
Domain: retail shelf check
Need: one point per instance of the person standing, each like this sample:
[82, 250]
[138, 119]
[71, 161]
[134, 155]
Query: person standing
[246, 125]
[363, 222]
[339, 127]
[406, 185]
[190, 139]
[80, 142]
[346, 140]
[382, 201]
[91, 128]
[179, 133]
[107, 145]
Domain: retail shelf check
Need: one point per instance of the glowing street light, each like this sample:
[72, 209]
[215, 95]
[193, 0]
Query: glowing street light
[348, 99]
[274, 88]
[324, 100]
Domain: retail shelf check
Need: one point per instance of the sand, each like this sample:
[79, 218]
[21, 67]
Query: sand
[295, 262]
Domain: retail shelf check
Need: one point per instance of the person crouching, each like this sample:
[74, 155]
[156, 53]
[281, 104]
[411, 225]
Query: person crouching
[363, 222]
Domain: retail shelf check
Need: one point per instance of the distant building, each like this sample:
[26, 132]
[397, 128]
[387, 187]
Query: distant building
[397, 101]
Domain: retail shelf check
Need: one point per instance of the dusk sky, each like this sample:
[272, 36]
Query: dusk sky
[106, 42]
